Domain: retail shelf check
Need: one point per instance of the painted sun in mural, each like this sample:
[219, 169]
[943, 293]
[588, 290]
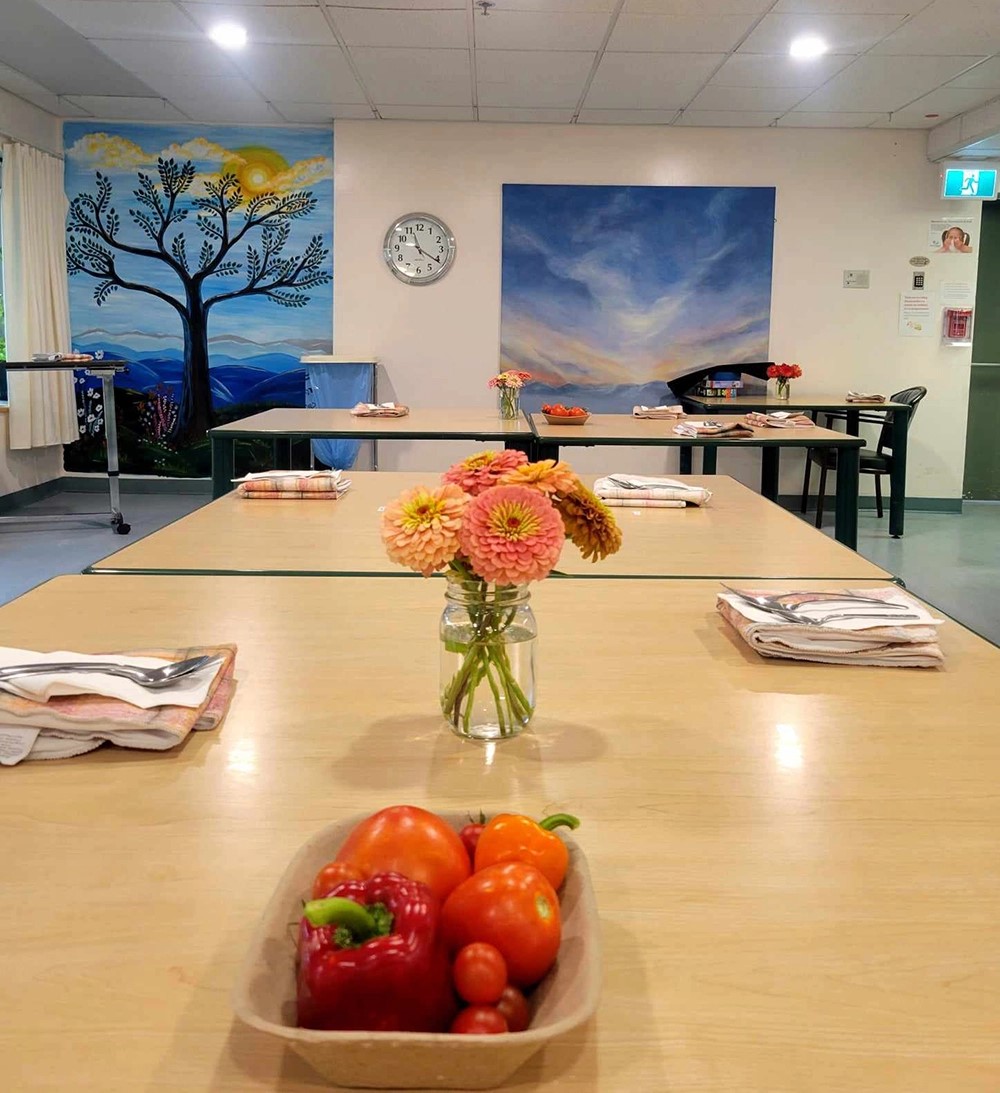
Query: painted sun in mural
[256, 167]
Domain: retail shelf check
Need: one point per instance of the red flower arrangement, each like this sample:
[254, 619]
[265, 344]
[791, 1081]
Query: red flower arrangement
[783, 371]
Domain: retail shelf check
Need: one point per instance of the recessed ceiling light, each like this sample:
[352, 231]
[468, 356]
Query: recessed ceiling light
[229, 35]
[808, 46]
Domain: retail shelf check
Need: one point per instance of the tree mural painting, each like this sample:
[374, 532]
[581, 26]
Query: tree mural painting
[239, 235]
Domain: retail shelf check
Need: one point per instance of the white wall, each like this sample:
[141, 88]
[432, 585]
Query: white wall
[29, 124]
[846, 199]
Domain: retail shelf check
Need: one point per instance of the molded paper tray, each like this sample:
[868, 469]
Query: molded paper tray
[264, 996]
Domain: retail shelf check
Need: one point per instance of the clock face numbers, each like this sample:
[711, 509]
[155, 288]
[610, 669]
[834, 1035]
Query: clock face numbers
[419, 249]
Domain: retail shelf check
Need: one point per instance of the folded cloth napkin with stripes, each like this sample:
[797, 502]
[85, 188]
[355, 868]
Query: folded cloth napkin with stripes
[59, 715]
[658, 413]
[293, 485]
[380, 409]
[736, 429]
[878, 640]
[778, 419]
[636, 491]
[860, 396]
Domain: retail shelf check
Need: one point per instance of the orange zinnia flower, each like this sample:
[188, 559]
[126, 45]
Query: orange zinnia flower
[420, 528]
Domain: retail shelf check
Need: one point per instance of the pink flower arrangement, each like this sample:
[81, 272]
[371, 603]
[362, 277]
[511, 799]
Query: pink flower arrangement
[511, 378]
[783, 371]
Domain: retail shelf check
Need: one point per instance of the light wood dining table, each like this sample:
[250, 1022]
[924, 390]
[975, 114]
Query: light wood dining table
[739, 534]
[795, 864]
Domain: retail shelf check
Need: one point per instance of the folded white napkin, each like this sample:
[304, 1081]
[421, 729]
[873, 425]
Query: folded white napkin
[263, 476]
[880, 639]
[779, 419]
[380, 409]
[734, 427]
[189, 690]
[860, 396]
[658, 411]
[632, 489]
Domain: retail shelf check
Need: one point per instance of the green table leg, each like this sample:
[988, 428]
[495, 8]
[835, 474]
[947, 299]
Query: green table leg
[546, 449]
[281, 453]
[846, 527]
[685, 459]
[897, 476]
[223, 465]
[709, 459]
[769, 465]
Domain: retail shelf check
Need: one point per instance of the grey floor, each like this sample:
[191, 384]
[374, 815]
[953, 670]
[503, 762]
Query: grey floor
[953, 561]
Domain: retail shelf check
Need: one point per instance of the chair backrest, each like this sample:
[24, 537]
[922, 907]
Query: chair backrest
[911, 396]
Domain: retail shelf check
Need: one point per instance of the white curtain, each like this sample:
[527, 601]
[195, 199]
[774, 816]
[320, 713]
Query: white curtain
[36, 295]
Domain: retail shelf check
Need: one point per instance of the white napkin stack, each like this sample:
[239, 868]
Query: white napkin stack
[640, 491]
[379, 409]
[658, 413]
[860, 396]
[879, 640]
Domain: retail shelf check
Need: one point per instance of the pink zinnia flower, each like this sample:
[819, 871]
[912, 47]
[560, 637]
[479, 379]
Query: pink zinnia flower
[480, 472]
[420, 528]
[511, 535]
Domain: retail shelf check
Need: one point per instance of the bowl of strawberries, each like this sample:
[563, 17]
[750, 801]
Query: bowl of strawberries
[557, 414]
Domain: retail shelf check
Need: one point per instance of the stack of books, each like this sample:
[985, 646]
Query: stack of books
[722, 385]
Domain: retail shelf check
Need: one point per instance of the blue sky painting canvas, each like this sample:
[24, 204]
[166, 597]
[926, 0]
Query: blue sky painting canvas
[608, 292]
[202, 255]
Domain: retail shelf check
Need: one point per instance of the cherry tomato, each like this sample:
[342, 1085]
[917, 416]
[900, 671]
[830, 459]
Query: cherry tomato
[479, 1020]
[515, 1008]
[479, 973]
[411, 841]
[512, 906]
[332, 874]
[470, 837]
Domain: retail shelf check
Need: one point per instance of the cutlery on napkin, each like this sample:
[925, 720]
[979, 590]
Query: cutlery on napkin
[879, 637]
[380, 409]
[778, 419]
[293, 485]
[52, 716]
[736, 429]
[642, 491]
[658, 412]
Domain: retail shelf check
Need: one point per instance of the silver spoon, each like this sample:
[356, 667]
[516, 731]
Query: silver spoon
[777, 600]
[152, 678]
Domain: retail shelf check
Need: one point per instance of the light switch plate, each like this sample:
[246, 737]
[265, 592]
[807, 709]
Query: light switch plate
[857, 278]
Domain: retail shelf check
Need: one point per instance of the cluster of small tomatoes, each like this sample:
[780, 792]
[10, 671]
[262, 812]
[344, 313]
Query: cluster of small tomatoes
[558, 410]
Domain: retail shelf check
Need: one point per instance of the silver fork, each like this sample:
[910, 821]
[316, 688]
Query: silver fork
[777, 599]
[805, 620]
[153, 678]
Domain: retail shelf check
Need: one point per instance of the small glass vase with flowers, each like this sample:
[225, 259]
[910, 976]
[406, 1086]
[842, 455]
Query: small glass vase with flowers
[496, 524]
[508, 387]
[783, 374]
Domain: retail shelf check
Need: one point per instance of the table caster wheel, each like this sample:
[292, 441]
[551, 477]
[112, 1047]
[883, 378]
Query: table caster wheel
[121, 528]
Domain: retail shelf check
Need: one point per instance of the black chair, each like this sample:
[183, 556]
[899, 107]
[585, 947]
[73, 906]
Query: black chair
[876, 462]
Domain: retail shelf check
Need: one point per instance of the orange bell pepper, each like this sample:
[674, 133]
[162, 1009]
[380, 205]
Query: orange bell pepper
[511, 837]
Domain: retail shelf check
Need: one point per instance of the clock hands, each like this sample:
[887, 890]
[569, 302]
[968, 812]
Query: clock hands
[423, 252]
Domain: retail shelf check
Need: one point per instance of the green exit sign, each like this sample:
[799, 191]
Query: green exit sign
[970, 184]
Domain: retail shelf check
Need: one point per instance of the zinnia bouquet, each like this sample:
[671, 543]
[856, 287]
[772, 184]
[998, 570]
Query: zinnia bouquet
[508, 385]
[783, 371]
[494, 525]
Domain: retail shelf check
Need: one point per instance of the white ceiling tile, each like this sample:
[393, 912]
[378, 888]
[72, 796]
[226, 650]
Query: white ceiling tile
[883, 84]
[531, 78]
[31, 91]
[986, 74]
[216, 88]
[506, 113]
[842, 33]
[237, 113]
[122, 18]
[774, 99]
[949, 101]
[678, 33]
[627, 117]
[172, 59]
[695, 7]
[652, 81]
[120, 106]
[541, 30]
[905, 119]
[967, 28]
[429, 77]
[727, 118]
[427, 113]
[573, 6]
[403, 29]
[778, 70]
[397, 5]
[321, 113]
[272, 24]
[802, 119]
[300, 73]
[262, 3]
[848, 7]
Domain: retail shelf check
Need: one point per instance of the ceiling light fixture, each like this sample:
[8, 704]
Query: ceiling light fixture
[807, 47]
[229, 35]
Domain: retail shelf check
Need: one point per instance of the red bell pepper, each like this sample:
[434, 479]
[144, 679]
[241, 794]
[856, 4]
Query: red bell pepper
[370, 958]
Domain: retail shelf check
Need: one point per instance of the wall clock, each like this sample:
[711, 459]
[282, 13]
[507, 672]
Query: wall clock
[419, 249]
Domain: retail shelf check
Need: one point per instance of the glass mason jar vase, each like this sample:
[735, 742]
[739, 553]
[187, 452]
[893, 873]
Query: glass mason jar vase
[510, 402]
[488, 636]
[782, 389]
